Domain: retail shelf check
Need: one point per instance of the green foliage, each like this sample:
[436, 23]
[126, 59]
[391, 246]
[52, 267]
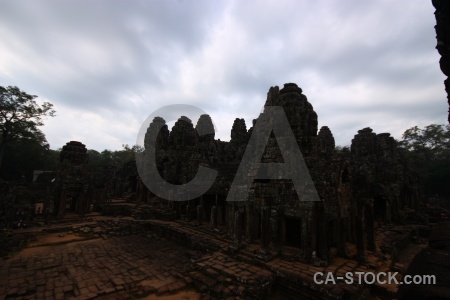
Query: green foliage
[20, 117]
[98, 161]
[428, 151]
[20, 114]
[432, 142]
[342, 148]
[24, 156]
[127, 154]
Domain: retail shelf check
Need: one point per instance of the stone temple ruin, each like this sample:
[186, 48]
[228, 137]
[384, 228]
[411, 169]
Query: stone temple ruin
[126, 242]
[361, 188]
[442, 29]
[73, 185]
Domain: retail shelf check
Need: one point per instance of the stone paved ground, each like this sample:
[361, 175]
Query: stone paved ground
[109, 258]
[116, 268]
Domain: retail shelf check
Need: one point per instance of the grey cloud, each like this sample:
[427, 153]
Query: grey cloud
[122, 59]
[56, 31]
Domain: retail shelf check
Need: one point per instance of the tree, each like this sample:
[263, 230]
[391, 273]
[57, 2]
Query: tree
[432, 142]
[21, 158]
[98, 161]
[125, 155]
[342, 148]
[428, 151]
[20, 116]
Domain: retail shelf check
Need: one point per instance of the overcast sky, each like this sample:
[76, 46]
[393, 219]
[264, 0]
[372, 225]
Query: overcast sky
[107, 65]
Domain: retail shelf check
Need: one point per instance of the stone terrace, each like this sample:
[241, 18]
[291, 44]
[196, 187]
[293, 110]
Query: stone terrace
[121, 258]
[121, 266]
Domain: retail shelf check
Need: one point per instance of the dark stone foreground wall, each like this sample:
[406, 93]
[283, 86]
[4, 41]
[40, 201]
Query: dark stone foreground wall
[442, 27]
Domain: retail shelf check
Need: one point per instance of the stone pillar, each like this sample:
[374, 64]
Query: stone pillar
[249, 226]
[220, 215]
[80, 204]
[322, 237]
[238, 228]
[306, 240]
[361, 244]
[369, 222]
[388, 212]
[213, 219]
[176, 209]
[230, 216]
[180, 208]
[342, 238]
[282, 231]
[275, 237]
[139, 191]
[202, 208]
[144, 193]
[85, 200]
[199, 214]
[416, 198]
[62, 204]
[188, 212]
[265, 228]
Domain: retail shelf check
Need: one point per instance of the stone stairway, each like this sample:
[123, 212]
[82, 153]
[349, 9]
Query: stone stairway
[221, 270]
[118, 206]
[143, 213]
[223, 273]
[222, 276]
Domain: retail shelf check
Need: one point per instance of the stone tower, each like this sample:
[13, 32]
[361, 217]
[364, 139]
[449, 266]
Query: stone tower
[73, 181]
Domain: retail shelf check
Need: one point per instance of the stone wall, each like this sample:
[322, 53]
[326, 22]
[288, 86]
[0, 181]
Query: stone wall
[442, 27]
[359, 189]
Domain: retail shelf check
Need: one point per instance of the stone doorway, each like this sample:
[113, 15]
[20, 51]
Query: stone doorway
[209, 201]
[132, 183]
[333, 233]
[379, 209]
[293, 232]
